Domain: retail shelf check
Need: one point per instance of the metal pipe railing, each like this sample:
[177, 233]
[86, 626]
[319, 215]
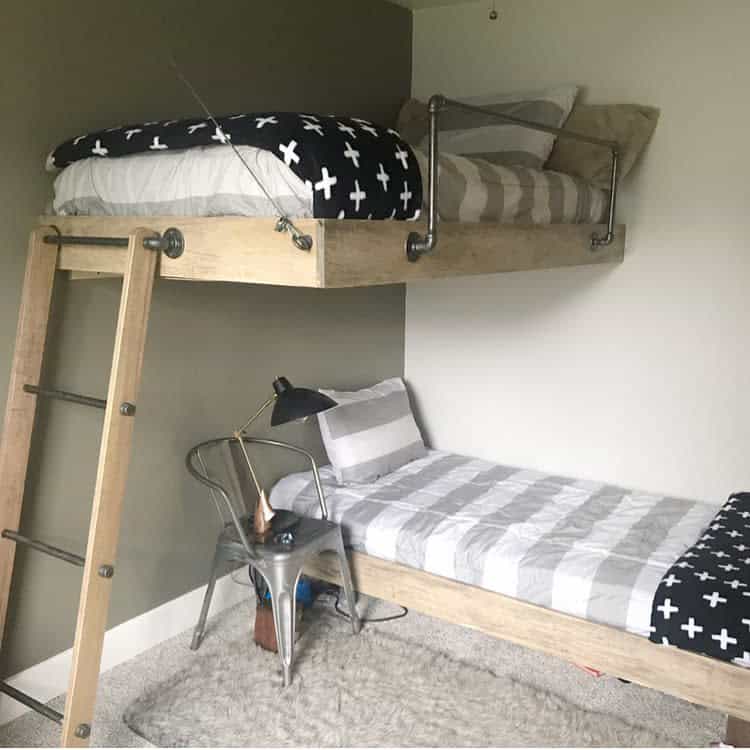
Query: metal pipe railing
[418, 245]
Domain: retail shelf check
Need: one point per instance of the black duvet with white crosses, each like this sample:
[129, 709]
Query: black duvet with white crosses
[355, 169]
[703, 602]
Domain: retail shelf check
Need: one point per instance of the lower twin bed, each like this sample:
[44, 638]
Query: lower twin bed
[592, 550]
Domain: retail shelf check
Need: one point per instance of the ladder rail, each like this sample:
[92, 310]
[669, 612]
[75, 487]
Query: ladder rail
[114, 457]
[20, 412]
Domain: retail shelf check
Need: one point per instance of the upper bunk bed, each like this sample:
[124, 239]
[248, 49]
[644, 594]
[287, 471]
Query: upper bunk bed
[312, 201]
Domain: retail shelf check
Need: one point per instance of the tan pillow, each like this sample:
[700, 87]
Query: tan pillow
[484, 137]
[631, 125]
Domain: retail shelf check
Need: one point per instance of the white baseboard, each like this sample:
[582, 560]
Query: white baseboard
[48, 679]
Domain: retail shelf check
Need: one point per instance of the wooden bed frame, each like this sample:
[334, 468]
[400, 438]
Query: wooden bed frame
[344, 253]
[699, 679]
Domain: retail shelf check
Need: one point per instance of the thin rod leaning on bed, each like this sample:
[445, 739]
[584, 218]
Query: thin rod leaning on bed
[418, 245]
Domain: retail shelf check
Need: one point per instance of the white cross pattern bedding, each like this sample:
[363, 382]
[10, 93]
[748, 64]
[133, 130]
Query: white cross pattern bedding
[591, 550]
[353, 168]
[703, 603]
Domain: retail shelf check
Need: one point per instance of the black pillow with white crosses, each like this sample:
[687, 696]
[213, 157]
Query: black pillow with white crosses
[355, 169]
[703, 602]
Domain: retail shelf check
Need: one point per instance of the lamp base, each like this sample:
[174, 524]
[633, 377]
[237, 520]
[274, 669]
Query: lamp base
[283, 521]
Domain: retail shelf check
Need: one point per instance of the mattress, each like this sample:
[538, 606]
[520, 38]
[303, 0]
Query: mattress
[588, 549]
[353, 168]
[212, 181]
[206, 181]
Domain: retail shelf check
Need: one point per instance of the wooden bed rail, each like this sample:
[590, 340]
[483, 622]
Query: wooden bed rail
[344, 253]
[699, 679]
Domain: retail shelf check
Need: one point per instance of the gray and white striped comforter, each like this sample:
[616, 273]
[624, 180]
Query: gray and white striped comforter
[589, 549]
[473, 190]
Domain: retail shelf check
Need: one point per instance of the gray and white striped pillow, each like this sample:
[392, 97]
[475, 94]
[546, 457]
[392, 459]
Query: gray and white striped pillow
[484, 137]
[371, 432]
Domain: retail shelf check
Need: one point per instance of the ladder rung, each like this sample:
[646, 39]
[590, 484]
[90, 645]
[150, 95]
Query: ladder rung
[172, 242]
[67, 239]
[74, 398]
[32, 703]
[48, 549]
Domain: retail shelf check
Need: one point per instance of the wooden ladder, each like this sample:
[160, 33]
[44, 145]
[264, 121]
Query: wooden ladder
[120, 406]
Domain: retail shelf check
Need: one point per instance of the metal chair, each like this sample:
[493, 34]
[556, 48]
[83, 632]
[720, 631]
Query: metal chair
[280, 564]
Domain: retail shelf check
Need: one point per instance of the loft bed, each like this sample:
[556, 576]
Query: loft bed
[335, 252]
[323, 251]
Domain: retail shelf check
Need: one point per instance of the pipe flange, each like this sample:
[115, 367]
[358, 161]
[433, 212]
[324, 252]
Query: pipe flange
[413, 252]
[173, 243]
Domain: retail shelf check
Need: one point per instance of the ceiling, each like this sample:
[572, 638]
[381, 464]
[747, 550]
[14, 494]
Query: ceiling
[419, 4]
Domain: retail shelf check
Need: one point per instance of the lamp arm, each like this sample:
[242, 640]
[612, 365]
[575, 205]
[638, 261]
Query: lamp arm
[238, 435]
[257, 413]
[310, 458]
[239, 438]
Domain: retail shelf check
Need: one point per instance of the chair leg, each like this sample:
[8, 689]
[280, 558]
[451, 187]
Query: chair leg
[282, 583]
[346, 578]
[200, 628]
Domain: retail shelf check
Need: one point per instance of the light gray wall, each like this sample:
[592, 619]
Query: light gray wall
[636, 373]
[213, 349]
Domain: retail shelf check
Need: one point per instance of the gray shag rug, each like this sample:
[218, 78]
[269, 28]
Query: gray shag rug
[371, 690]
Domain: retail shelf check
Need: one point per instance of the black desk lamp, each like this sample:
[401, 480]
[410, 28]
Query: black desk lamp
[289, 404]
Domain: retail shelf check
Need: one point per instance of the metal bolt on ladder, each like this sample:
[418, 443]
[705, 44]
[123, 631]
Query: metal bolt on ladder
[119, 407]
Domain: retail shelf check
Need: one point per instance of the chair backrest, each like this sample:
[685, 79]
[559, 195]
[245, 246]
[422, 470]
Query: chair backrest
[220, 466]
[215, 464]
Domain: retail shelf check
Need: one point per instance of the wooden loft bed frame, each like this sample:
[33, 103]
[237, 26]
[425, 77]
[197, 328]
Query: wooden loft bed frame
[343, 254]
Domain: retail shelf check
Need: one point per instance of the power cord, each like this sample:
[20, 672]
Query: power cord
[335, 592]
[260, 587]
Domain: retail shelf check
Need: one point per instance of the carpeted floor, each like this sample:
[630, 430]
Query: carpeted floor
[679, 723]
[373, 690]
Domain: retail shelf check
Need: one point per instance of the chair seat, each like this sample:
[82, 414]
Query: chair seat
[307, 532]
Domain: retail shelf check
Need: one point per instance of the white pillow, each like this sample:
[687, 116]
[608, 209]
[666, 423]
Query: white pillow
[483, 137]
[371, 432]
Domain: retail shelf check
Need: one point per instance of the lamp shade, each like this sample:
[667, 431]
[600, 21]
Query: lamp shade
[296, 403]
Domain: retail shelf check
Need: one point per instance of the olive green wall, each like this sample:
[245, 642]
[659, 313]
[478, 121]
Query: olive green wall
[213, 349]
